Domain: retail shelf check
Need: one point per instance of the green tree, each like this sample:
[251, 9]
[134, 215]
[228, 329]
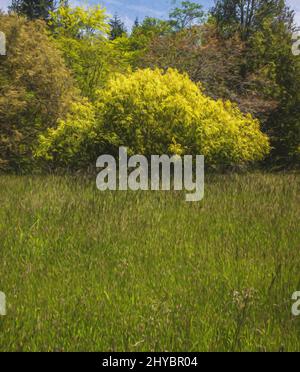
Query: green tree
[216, 63]
[79, 22]
[131, 49]
[266, 29]
[81, 34]
[151, 27]
[272, 48]
[34, 9]
[187, 15]
[248, 16]
[36, 90]
[117, 28]
[136, 24]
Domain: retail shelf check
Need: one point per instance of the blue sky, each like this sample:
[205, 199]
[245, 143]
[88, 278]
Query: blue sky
[128, 10]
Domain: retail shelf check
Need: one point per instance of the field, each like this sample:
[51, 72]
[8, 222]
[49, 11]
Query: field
[122, 271]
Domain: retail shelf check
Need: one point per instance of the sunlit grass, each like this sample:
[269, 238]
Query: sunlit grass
[124, 271]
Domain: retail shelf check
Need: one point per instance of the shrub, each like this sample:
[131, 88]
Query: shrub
[69, 145]
[36, 89]
[152, 112]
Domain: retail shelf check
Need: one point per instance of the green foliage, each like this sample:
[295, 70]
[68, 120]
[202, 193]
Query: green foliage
[36, 89]
[141, 37]
[219, 65]
[269, 49]
[242, 54]
[72, 142]
[187, 15]
[151, 27]
[117, 28]
[79, 22]
[247, 16]
[33, 9]
[82, 35]
[153, 113]
[267, 28]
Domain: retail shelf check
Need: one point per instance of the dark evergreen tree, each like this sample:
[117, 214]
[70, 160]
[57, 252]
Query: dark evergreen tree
[136, 24]
[34, 9]
[117, 27]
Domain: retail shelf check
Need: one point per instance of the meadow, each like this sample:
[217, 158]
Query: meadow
[85, 270]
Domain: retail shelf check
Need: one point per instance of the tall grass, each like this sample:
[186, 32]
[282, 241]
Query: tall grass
[122, 271]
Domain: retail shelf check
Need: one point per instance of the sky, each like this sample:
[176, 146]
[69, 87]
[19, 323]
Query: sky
[128, 10]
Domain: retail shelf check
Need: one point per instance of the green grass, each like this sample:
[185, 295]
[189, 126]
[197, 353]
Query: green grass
[121, 271]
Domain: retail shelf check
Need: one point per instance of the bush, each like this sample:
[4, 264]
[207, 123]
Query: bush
[70, 144]
[152, 112]
[36, 89]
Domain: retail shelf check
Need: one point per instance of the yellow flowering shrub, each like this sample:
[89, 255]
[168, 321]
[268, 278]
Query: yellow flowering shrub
[152, 112]
[70, 143]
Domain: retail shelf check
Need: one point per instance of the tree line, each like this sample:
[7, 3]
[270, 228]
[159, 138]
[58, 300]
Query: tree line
[62, 61]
